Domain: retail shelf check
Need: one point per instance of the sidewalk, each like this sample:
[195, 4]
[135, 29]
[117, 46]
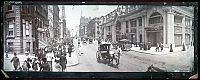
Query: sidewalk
[73, 60]
[164, 51]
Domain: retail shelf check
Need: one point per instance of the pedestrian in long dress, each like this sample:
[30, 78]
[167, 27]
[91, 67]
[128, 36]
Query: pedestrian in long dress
[63, 62]
[34, 65]
[70, 50]
[25, 66]
[45, 66]
[157, 47]
[15, 61]
[161, 46]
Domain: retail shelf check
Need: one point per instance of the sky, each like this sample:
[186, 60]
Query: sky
[73, 13]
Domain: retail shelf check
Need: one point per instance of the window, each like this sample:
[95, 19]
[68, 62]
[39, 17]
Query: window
[155, 18]
[133, 23]
[10, 46]
[28, 46]
[178, 19]
[187, 22]
[140, 21]
[126, 30]
[126, 24]
[27, 28]
[109, 28]
[11, 28]
[9, 7]
[133, 30]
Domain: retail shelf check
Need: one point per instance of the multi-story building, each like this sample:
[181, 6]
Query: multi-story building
[155, 24]
[50, 17]
[42, 25]
[63, 27]
[25, 28]
[91, 28]
[19, 29]
[83, 26]
[56, 22]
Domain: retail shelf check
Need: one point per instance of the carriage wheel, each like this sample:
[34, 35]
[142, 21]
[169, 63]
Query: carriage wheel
[98, 56]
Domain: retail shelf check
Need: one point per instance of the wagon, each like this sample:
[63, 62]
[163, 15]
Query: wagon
[107, 54]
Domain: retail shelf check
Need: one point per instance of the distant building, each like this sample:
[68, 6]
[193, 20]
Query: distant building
[42, 24]
[91, 28]
[56, 22]
[83, 26]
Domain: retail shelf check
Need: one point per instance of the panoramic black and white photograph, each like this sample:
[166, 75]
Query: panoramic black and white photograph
[98, 38]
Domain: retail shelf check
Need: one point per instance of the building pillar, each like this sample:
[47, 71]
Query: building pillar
[165, 34]
[183, 30]
[104, 32]
[113, 33]
[24, 34]
[31, 38]
[137, 30]
[143, 25]
[170, 29]
[191, 32]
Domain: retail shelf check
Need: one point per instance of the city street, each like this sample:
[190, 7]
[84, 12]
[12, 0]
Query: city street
[131, 61]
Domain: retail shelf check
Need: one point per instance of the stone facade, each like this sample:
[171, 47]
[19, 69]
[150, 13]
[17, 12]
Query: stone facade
[144, 23]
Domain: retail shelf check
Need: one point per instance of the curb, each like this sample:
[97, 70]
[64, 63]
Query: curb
[72, 65]
[156, 54]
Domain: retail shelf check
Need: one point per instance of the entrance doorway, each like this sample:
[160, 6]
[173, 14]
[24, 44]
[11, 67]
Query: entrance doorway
[154, 38]
[140, 38]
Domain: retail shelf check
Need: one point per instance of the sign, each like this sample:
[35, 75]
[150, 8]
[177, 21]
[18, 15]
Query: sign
[17, 21]
[154, 28]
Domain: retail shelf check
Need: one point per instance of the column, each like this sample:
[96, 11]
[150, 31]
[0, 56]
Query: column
[165, 30]
[137, 30]
[25, 24]
[143, 31]
[113, 32]
[31, 38]
[170, 29]
[105, 32]
[146, 24]
[183, 30]
[191, 32]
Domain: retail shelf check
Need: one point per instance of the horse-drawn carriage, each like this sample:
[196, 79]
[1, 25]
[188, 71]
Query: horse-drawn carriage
[108, 54]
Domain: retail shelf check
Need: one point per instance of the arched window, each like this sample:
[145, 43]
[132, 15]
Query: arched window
[155, 18]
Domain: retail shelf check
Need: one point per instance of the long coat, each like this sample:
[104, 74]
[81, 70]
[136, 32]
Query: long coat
[63, 61]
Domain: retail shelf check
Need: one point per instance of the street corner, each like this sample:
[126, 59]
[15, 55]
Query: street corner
[73, 60]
